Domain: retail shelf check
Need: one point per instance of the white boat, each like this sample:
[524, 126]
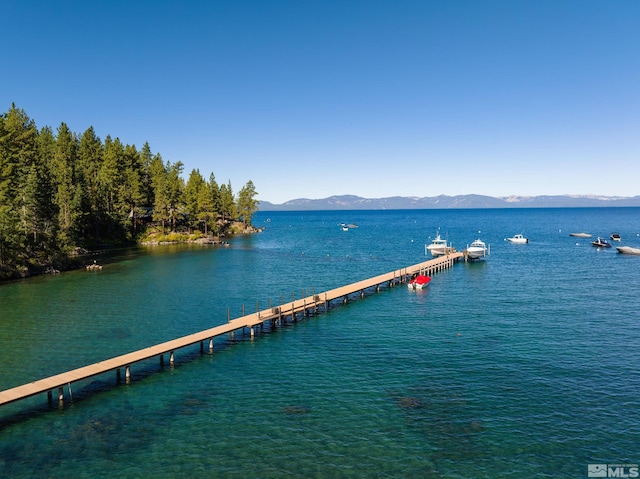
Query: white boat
[519, 239]
[628, 250]
[615, 236]
[419, 282]
[580, 235]
[439, 246]
[478, 249]
[345, 226]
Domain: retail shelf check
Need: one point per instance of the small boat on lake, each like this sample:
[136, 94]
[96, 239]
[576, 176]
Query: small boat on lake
[601, 243]
[628, 250]
[518, 239]
[615, 236]
[581, 235]
[419, 282]
[477, 250]
[439, 246]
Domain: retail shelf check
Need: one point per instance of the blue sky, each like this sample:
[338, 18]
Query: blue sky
[320, 97]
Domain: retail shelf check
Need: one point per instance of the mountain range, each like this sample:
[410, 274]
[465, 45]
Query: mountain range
[351, 202]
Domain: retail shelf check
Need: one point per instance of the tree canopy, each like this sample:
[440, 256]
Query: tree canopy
[63, 192]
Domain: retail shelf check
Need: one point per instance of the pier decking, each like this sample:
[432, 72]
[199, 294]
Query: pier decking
[272, 314]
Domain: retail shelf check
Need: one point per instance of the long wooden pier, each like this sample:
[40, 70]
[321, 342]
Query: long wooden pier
[274, 315]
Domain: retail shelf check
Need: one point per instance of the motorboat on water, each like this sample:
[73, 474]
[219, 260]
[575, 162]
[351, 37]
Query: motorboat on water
[518, 239]
[477, 250]
[419, 281]
[581, 235]
[601, 243]
[439, 246]
[628, 250]
[615, 236]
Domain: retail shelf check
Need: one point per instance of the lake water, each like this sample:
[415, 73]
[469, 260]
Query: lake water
[526, 364]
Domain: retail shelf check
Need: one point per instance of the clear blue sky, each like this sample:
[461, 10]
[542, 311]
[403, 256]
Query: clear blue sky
[321, 97]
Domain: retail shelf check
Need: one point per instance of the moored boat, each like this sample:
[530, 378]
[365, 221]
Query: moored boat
[628, 250]
[581, 235]
[615, 236]
[346, 227]
[601, 243]
[419, 282]
[94, 267]
[478, 249]
[518, 239]
[439, 246]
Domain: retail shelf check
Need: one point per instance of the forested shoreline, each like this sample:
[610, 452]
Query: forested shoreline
[65, 193]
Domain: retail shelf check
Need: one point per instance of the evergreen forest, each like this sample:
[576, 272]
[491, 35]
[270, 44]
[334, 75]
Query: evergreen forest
[63, 193]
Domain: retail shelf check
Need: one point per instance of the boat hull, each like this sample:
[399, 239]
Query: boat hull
[419, 282]
[439, 250]
[439, 247]
[628, 250]
[476, 253]
[477, 250]
[600, 243]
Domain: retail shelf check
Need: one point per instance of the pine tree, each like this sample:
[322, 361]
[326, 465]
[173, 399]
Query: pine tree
[227, 202]
[206, 210]
[132, 192]
[175, 190]
[90, 152]
[247, 204]
[62, 169]
[160, 183]
[195, 184]
[48, 210]
[146, 157]
[18, 153]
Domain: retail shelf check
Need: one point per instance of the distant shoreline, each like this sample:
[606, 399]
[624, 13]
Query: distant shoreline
[351, 202]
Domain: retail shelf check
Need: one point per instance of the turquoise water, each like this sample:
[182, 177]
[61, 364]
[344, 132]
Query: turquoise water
[523, 365]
